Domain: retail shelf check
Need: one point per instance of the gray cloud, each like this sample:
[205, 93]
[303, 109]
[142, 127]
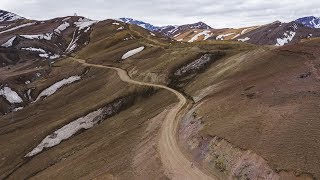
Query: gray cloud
[218, 14]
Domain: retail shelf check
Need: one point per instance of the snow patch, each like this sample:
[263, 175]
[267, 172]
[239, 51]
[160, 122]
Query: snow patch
[46, 36]
[85, 122]
[244, 39]
[176, 35]
[288, 36]
[84, 23]
[142, 25]
[67, 131]
[66, 19]
[17, 109]
[174, 30]
[72, 46]
[49, 56]
[120, 28]
[53, 88]
[195, 65]
[62, 27]
[234, 37]
[244, 31]
[29, 94]
[241, 33]
[128, 38]
[295, 26]
[34, 49]
[73, 43]
[222, 36]
[42, 53]
[206, 34]
[17, 27]
[10, 95]
[132, 52]
[315, 24]
[9, 42]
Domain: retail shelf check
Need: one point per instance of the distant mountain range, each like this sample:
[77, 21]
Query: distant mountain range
[52, 37]
[276, 33]
[279, 34]
[169, 30]
[172, 31]
[309, 21]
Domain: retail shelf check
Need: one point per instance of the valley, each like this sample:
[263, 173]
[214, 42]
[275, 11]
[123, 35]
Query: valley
[124, 99]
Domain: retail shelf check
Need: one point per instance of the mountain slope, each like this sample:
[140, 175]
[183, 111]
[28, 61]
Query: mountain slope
[194, 35]
[46, 39]
[172, 31]
[310, 21]
[8, 16]
[279, 34]
[142, 24]
[251, 112]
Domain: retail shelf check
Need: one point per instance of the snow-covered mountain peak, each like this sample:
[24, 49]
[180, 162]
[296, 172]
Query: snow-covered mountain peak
[199, 25]
[310, 21]
[142, 24]
[8, 16]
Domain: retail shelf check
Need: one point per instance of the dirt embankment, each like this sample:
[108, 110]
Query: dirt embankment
[189, 70]
[258, 111]
[220, 157]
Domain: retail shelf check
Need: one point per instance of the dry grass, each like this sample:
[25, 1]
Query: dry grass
[104, 149]
[263, 105]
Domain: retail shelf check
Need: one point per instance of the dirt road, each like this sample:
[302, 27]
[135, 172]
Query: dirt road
[176, 165]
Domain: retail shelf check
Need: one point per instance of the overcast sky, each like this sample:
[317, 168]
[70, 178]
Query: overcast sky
[216, 13]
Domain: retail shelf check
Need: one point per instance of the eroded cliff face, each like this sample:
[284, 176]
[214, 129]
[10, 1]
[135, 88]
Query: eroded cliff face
[215, 154]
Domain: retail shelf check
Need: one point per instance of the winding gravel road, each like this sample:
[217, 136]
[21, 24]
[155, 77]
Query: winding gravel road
[176, 165]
